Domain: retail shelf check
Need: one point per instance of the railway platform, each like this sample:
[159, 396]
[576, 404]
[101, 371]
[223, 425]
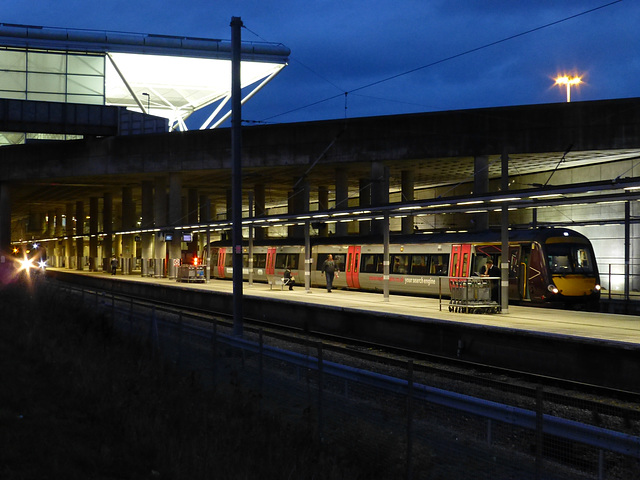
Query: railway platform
[590, 347]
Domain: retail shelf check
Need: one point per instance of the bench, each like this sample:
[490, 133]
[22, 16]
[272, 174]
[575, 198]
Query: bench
[273, 280]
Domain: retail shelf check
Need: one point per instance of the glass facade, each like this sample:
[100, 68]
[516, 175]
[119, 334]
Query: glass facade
[52, 76]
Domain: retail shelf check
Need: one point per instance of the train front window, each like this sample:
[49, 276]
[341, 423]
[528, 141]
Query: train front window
[567, 258]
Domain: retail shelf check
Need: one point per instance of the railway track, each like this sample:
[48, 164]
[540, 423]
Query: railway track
[451, 373]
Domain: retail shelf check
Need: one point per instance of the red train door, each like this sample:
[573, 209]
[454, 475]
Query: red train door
[222, 257]
[353, 267]
[270, 266]
[460, 260]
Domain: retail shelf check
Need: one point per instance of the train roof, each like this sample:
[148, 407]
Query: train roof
[488, 236]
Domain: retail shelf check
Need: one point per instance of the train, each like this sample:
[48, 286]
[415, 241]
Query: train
[546, 265]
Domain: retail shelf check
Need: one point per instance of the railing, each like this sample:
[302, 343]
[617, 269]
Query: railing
[428, 417]
[622, 282]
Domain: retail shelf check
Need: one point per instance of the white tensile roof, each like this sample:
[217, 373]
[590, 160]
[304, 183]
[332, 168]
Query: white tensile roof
[162, 75]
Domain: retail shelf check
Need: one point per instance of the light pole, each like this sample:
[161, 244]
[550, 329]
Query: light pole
[148, 101]
[569, 82]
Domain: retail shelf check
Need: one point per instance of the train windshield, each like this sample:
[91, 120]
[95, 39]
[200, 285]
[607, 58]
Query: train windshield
[567, 258]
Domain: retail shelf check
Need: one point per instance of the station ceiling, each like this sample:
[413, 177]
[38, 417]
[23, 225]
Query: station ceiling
[44, 196]
[439, 148]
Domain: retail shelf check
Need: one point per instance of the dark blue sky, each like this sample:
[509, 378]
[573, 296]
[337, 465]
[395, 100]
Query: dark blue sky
[340, 47]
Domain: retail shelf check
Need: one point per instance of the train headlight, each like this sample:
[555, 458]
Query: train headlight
[597, 288]
[553, 289]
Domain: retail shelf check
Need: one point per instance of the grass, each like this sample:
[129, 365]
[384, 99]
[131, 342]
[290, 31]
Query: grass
[78, 401]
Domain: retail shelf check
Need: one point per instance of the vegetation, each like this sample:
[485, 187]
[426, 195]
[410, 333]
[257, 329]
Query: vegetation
[78, 401]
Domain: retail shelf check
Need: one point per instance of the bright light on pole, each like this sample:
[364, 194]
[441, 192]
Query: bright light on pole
[569, 82]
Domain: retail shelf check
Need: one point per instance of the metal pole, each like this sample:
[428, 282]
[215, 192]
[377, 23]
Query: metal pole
[307, 258]
[627, 248]
[208, 262]
[504, 266]
[385, 258]
[236, 174]
[251, 239]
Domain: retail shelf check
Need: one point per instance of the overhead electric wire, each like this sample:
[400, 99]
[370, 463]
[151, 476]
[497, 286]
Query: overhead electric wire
[451, 57]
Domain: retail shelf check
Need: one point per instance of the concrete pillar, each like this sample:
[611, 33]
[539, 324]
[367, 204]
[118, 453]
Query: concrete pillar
[323, 206]
[69, 251]
[51, 224]
[80, 235]
[204, 209]
[480, 186]
[342, 198]
[204, 239]
[93, 233]
[379, 193]
[192, 219]
[128, 223]
[5, 219]
[175, 220]
[408, 195]
[160, 216]
[146, 238]
[260, 208]
[229, 204]
[364, 227]
[298, 204]
[58, 253]
[227, 234]
[50, 246]
[107, 228]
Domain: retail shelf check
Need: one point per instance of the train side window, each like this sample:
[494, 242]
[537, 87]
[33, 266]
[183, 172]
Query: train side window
[259, 260]
[454, 265]
[400, 264]
[368, 263]
[245, 260]
[438, 264]
[293, 260]
[284, 260]
[228, 260]
[349, 263]
[419, 264]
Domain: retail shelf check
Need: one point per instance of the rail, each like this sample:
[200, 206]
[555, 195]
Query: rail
[600, 438]
[622, 282]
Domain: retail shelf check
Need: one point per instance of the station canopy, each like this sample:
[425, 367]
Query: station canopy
[166, 76]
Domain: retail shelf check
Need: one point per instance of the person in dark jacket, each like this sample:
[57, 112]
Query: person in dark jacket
[490, 270]
[289, 279]
[329, 268]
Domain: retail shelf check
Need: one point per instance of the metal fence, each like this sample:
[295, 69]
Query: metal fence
[621, 281]
[433, 427]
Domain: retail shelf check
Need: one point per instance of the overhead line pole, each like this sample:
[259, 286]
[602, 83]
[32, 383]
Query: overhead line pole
[236, 173]
[504, 235]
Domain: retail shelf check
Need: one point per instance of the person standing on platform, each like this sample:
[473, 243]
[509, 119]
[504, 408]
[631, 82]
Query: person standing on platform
[490, 270]
[114, 265]
[330, 270]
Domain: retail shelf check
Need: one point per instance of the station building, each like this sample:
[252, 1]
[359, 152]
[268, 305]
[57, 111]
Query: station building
[566, 164]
